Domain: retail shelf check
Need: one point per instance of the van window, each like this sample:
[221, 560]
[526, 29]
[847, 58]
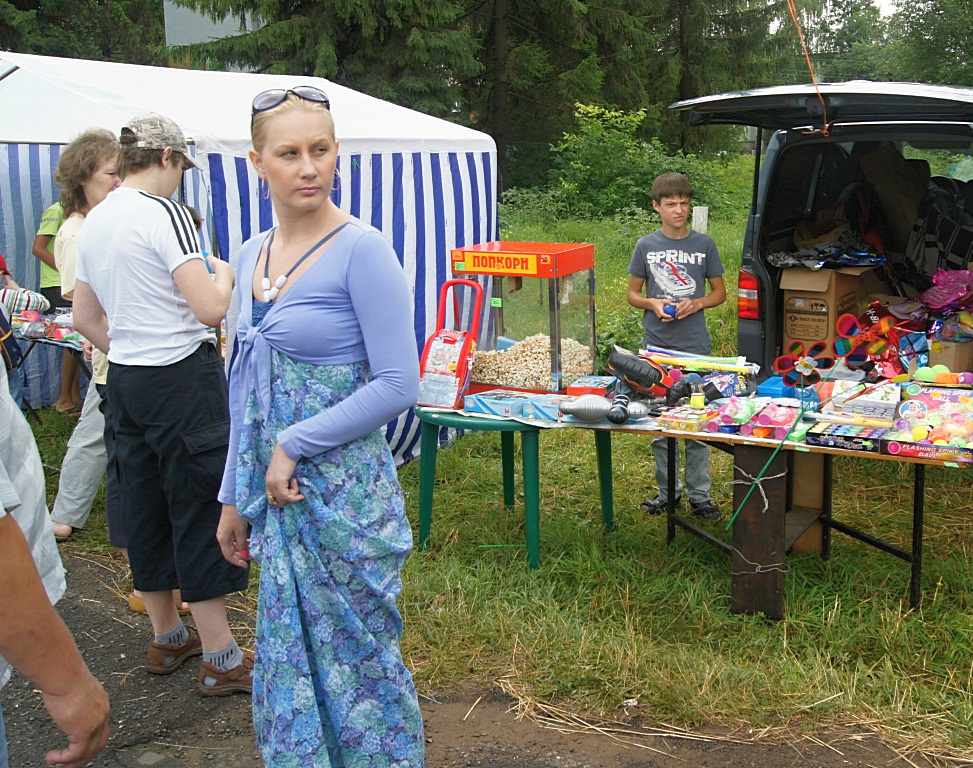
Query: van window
[809, 180]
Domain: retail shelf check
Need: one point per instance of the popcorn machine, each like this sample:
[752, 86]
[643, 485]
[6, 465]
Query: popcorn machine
[539, 332]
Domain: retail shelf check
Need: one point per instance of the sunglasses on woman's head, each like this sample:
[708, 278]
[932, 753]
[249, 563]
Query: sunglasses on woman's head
[277, 96]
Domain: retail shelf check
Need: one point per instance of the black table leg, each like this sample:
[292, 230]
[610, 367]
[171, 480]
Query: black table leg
[918, 509]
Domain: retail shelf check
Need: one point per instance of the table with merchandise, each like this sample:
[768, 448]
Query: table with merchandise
[783, 448]
[889, 382]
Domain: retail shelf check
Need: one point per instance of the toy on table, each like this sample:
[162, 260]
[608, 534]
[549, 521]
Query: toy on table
[638, 373]
[931, 422]
[546, 407]
[856, 344]
[592, 385]
[618, 410]
[771, 421]
[732, 412]
[686, 419]
[444, 368]
[940, 374]
[592, 408]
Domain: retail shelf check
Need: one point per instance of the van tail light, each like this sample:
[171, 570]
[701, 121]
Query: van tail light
[748, 297]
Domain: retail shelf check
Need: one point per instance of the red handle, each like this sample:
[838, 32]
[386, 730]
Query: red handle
[477, 302]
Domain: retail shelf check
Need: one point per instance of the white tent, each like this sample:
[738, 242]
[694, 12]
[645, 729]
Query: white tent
[428, 185]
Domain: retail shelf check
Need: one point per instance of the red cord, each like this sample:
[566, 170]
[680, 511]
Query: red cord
[807, 56]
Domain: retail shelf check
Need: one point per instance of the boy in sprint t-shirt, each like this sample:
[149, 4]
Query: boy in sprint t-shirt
[673, 264]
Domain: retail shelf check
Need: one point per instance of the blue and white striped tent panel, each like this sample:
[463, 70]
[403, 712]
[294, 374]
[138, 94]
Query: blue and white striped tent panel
[26, 190]
[424, 203]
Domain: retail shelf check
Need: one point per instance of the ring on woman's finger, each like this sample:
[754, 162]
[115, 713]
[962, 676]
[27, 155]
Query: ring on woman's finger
[272, 499]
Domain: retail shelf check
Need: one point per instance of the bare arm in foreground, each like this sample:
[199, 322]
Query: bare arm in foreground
[38, 645]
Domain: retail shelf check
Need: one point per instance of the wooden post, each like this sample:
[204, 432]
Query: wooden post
[758, 533]
[700, 218]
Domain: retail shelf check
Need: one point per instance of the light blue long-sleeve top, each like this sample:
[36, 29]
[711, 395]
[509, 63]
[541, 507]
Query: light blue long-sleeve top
[352, 304]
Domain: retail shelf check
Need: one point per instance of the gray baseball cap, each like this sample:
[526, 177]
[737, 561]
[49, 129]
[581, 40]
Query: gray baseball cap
[153, 131]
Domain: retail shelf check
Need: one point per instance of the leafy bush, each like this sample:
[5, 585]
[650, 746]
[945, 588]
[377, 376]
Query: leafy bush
[604, 169]
[724, 182]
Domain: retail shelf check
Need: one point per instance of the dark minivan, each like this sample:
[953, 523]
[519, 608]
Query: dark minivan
[825, 141]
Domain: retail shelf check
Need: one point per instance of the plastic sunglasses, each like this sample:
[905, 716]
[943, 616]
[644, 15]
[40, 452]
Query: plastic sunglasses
[276, 96]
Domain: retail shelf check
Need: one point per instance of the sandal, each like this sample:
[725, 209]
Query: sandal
[215, 682]
[166, 659]
[74, 410]
[137, 604]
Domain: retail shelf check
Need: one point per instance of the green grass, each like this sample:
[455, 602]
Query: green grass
[617, 616]
[610, 617]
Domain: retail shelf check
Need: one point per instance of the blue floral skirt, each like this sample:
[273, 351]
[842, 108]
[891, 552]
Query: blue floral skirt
[329, 687]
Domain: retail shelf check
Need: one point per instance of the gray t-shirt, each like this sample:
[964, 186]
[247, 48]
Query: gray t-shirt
[676, 270]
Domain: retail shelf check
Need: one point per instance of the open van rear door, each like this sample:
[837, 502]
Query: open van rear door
[857, 101]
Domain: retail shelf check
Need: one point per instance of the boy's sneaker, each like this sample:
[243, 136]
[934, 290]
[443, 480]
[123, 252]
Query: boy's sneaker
[656, 506]
[706, 510]
[213, 681]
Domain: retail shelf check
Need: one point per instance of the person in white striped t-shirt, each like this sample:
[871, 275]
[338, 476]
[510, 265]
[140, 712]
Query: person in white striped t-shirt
[146, 296]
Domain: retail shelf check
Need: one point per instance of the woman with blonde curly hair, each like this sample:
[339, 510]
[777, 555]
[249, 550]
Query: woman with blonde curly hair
[86, 171]
[78, 168]
[85, 175]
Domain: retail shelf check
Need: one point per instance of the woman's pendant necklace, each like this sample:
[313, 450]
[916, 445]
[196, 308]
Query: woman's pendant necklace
[271, 292]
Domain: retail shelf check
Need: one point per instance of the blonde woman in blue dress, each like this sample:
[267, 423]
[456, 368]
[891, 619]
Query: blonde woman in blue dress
[326, 357]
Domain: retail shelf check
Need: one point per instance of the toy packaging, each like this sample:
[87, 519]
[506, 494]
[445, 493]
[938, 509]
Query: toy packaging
[849, 437]
[932, 422]
[497, 402]
[592, 385]
[444, 368]
[685, 419]
[772, 421]
[546, 407]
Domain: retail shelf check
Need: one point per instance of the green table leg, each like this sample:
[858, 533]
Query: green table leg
[603, 449]
[428, 446]
[532, 497]
[507, 453]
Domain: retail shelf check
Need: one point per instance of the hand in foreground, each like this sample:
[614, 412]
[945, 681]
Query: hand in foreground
[282, 487]
[82, 715]
[86, 348]
[232, 536]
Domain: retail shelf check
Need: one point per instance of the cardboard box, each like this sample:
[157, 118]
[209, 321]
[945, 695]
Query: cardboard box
[933, 395]
[814, 299]
[849, 437]
[592, 385]
[947, 453]
[955, 355]
[546, 407]
[685, 419]
[497, 402]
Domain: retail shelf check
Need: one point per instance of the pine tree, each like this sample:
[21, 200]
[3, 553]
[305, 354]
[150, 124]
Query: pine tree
[412, 52]
[543, 57]
[112, 30]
